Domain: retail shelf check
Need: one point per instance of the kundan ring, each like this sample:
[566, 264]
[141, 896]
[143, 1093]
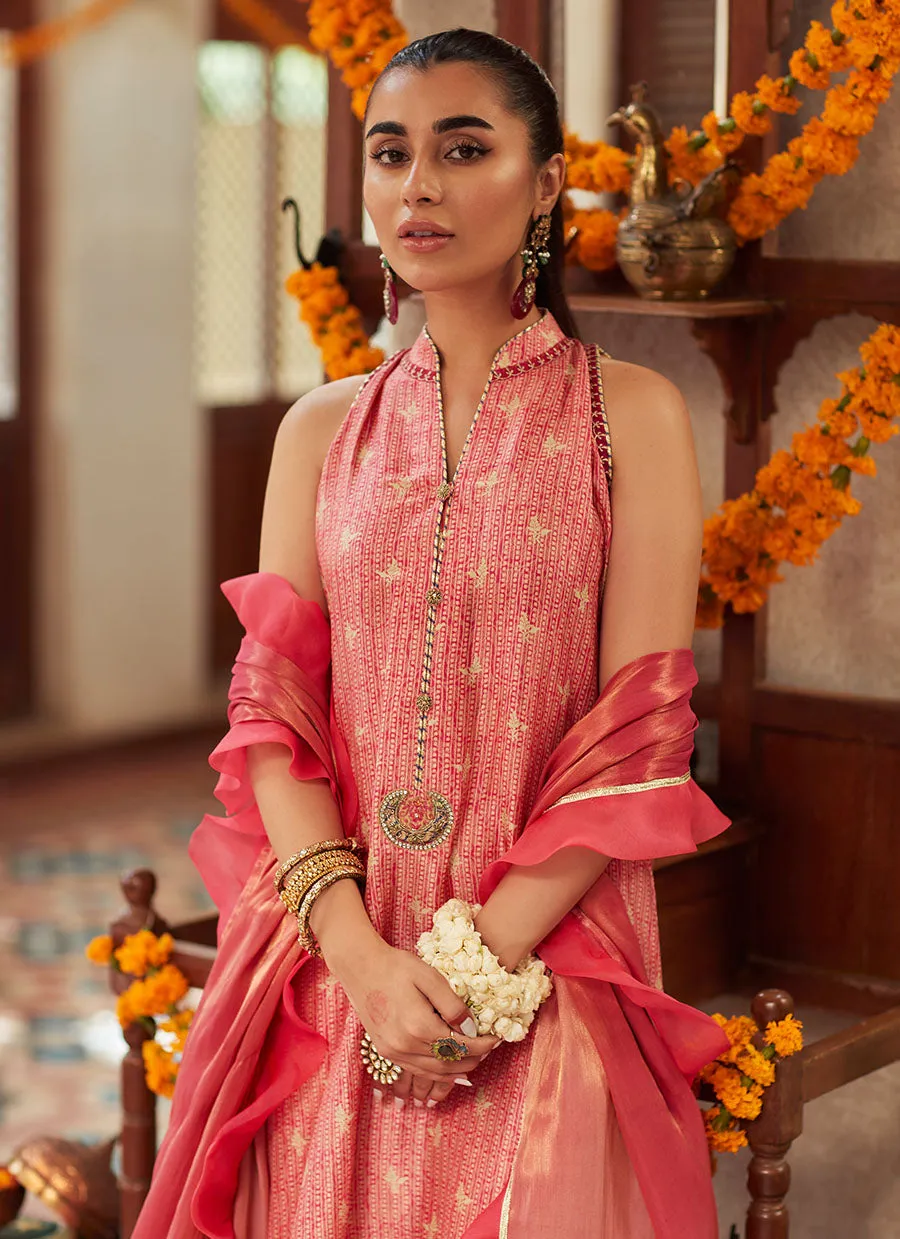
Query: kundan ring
[449, 1050]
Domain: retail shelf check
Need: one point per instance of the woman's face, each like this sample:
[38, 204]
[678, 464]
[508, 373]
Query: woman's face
[446, 158]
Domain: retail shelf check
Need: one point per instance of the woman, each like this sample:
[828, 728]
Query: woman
[462, 713]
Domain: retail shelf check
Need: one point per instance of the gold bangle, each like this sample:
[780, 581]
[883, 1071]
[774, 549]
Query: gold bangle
[305, 936]
[306, 853]
[293, 892]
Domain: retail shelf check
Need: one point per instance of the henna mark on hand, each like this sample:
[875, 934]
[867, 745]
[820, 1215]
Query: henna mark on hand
[377, 1005]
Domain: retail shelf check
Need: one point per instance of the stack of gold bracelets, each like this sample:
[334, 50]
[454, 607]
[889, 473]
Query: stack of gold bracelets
[302, 878]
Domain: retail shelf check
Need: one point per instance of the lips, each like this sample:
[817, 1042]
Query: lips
[422, 228]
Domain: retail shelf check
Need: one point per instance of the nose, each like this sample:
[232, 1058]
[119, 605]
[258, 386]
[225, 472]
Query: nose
[421, 184]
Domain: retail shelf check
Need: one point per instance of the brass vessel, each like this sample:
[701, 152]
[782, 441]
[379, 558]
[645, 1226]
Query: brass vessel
[673, 245]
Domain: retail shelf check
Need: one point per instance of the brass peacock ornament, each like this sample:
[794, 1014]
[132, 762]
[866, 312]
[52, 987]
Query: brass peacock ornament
[674, 244]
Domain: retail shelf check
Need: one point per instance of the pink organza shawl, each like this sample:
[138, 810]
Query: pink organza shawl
[249, 1049]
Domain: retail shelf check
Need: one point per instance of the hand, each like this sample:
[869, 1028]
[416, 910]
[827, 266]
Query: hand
[404, 1005]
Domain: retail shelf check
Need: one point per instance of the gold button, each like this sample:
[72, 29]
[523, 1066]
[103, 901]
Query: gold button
[433, 597]
[423, 702]
[445, 490]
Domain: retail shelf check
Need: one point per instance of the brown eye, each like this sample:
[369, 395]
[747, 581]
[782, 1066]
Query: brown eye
[388, 155]
[466, 152]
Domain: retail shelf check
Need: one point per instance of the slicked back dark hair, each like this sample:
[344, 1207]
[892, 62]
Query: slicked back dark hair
[529, 94]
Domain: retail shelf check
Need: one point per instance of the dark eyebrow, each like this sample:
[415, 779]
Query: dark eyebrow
[444, 125]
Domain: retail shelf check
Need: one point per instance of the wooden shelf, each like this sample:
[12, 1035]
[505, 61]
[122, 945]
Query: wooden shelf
[711, 307]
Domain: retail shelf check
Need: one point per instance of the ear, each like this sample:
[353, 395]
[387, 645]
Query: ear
[551, 179]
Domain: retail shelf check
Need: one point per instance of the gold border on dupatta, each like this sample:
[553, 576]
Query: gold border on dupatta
[623, 789]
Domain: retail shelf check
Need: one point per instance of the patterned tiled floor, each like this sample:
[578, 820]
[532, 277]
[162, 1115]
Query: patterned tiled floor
[64, 839]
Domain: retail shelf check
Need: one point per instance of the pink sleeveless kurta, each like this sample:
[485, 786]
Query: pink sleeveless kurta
[513, 667]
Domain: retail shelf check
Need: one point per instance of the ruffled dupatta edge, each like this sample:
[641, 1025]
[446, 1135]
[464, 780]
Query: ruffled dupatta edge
[251, 1049]
[619, 783]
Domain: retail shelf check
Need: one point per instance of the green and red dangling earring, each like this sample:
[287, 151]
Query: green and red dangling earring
[534, 256]
[391, 305]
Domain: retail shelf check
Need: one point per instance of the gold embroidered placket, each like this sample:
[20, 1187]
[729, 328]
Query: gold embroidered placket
[413, 817]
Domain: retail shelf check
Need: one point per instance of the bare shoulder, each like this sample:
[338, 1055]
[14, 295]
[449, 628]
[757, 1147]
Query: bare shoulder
[645, 411]
[310, 424]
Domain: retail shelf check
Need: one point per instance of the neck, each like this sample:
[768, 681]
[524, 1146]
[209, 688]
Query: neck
[468, 325]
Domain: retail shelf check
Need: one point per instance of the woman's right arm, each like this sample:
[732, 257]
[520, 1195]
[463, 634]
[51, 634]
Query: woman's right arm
[393, 991]
[299, 813]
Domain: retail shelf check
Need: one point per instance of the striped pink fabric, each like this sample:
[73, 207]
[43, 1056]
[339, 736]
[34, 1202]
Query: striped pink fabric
[514, 666]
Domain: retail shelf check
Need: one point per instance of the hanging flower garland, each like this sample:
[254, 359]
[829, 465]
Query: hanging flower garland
[336, 325]
[27, 46]
[740, 1076]
[360, 37]
[802, 495]
[157, 990]
[865, 39]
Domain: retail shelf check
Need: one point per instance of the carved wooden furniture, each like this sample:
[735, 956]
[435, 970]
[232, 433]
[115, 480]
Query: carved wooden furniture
[819, 1068]
[195, 950]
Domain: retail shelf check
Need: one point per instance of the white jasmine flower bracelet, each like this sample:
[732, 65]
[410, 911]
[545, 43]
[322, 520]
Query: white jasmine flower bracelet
[502, 1003]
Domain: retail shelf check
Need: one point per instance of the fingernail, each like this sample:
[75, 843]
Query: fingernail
[469, 1027]
[462, 1080]
[430, 1102]
[399, 1102]
[417, 1101]
[377, 1092]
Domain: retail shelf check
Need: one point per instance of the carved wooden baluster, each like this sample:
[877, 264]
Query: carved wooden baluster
[771, 1135]
[138, 1146]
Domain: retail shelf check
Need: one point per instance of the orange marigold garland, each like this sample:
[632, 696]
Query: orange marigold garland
[802, 495]
[865, 39]
[359, 37]
[336, 325]
[157, 988]
[740, 1076]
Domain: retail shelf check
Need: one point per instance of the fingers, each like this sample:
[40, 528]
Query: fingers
[438, 992]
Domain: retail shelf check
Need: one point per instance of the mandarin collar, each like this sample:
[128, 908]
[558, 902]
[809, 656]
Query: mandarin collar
[528, 347]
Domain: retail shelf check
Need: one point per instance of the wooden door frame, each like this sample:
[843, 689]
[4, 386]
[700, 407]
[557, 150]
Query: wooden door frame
[18, 524]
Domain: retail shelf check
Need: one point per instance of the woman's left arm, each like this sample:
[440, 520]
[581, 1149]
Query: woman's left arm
[649, 605]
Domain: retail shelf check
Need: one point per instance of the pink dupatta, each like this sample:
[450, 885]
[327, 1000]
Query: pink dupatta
[615, 783]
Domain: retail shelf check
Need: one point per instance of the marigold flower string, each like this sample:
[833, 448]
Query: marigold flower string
[157, 989]
[740, 1076]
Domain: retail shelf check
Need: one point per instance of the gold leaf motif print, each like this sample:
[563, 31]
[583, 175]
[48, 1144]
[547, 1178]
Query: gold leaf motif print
[350, 634]
[417, 908]
[463, 1199]
[437, 1132]
[363, 452]
[474, 671]
[409, 411]
[478, 574]
[481, 1102]
[564, 690]
[431, 1228]
[536, 531]
[348, 536]
[526, 628]
[465, 766]
[553, 446]
[400, 486]
[393, 1180]
[391, 572]
[511, 407]
[516, 726]
[342, 1118]
[486, 485]
[299, 1142]
[584, 596]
